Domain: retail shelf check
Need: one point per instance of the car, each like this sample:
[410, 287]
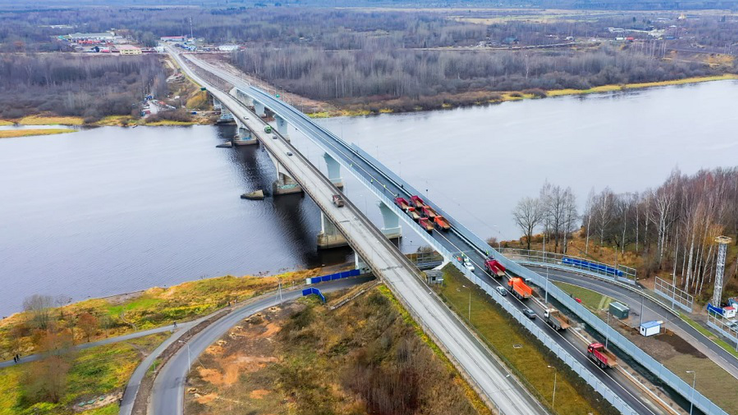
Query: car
[502, 291]
[338, 200]
[468, 265]
[530, 313]
[289, 153]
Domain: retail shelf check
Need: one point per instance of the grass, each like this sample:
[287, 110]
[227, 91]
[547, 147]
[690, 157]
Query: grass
[95, 372]
[34, 132]
[712, 380]
[591, 299]
[155, 307]
[525, 356]
[4, 123]
[710, 335]
[169, 123]
[612, 88]
[39, 120]
[115, 121]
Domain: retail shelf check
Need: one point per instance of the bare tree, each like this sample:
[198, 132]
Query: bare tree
[527, 215]
[39, 306]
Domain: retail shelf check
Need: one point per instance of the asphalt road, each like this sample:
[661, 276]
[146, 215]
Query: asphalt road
[651, 311]
[167, 396]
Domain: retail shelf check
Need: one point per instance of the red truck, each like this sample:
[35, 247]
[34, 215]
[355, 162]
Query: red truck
[402, 203]
[426, 224]
[518, 288]
[494, 267]
[601, 356]
[413, 214]
[429, 212]
[417, 202]
[442, 223]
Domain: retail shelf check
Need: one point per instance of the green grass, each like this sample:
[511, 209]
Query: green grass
[710, 335]
[111, 409]
[94, 372]
[524, 355]
[591, 299]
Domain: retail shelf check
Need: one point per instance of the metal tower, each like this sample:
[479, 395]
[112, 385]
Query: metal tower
[717, 293]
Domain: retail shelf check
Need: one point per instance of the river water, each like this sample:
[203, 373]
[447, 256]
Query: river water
[109, 210]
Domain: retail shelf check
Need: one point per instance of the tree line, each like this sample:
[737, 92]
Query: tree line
[87, 86]
[673, 227]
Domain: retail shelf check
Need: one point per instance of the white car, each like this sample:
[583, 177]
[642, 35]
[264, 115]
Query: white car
[468, 265]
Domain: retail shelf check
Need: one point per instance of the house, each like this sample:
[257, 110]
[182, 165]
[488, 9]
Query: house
[173, 38]
[227, 48]
[128, 50]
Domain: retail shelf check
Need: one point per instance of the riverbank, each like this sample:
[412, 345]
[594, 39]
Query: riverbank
[109, 121]
[475, 98]
[33, 132]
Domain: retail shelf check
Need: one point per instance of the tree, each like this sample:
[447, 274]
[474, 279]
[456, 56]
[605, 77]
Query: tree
[39, 306]
[88, 324]
[527, 215]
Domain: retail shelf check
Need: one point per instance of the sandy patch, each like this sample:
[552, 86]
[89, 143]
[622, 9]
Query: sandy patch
[233, 367]
[271, 330]
[206, 399]
[259, 394]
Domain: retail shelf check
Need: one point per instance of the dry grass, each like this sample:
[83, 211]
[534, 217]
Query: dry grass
[32, 132]
[612, 88]
[40, 120]
[5, 123]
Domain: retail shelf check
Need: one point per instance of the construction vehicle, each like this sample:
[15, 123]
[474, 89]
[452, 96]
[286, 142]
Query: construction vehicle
[518, 288]
[413, 214]
[556, 319]
[494, 267]
[402, 203]
[442, 223]
[417, 202]
[601, 356]
[426, 224]
[429, 212]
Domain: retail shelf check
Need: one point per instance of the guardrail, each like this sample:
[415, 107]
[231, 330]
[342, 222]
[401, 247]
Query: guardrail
[676, 296]
[618, 273]
[718, 323]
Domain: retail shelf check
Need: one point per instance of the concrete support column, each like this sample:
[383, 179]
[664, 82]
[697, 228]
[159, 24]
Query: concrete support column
[329, 236]
[360, 264]
[285, 184]
[259, 109]
[391, 229]
[243, 136]
[282, 126]
[226, 116]
[334, 170]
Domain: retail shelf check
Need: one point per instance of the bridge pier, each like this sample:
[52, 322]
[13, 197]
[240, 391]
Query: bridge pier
[391, 228]
[329, 236]
[334, 171]
[245, 99]
[226, 116]
[360, 264]
[285, 184]
[243, 136]
[282, 126]
[259, 109]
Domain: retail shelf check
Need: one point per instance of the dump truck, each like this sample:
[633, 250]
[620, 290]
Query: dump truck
[413, 214]
[338, 200]
[442, 223]
[601, 356]
[518, 288]
[494, 267]
[556, 319]
[402, 203]
[417, 202]
[429, 212]
[426, 224]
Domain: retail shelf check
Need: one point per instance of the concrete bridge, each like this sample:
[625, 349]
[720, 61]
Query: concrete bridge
[386, 185]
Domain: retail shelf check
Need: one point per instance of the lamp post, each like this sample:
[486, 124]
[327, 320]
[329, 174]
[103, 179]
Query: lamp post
[691, 399]
[468, 288]
[553, 397]
[607, 333]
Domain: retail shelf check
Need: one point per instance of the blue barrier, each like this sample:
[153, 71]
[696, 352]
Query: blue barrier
[716, 310]
[333, 277]
[310, 291]
[580, 263]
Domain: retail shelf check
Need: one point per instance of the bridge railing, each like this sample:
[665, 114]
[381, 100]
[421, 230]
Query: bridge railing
[619, 273]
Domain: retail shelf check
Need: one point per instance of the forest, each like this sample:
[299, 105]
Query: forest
[87, 86]
[672, 228]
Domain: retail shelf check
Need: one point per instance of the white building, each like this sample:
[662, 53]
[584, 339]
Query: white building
[227, 48]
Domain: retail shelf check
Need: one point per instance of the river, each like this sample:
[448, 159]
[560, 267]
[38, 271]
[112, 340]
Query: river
[109, 210]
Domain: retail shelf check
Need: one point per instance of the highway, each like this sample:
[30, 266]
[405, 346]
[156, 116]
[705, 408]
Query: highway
[651, 311]
[389, 264]
[374, 173]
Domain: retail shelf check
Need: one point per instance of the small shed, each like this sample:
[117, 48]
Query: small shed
[650, 328]
[619, 310]
[434, 276]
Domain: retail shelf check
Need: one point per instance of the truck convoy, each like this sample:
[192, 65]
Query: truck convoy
[494, 267]
[518, 288]
[556, 319]
[601, 356]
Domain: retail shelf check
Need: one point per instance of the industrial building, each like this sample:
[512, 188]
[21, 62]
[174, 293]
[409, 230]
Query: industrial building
[128, 50]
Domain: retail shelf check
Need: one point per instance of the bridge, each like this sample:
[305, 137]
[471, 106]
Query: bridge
[386, 185]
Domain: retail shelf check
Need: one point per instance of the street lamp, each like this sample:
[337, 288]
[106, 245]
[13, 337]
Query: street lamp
[607, 333]
[553, 397]
[469, 288]
[691, 399]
